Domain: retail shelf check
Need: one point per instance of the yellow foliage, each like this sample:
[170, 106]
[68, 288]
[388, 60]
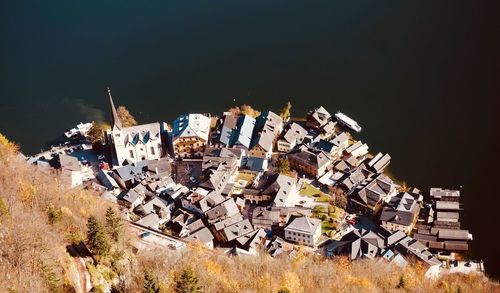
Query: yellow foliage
[212, 267]
[291, 280]
[27, 193]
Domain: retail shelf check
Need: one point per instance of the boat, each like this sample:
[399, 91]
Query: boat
[347, 121]
[80, 129]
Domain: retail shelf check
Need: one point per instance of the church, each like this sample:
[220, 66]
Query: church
[134, 143]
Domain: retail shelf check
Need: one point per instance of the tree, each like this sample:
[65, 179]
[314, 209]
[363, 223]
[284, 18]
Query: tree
[125, 117]
[284, 290]
[284, 166]
[53, 214]
[285, 112]
[113, 224]
[96, 238]
[96, 132]
[150, 284]
[248, 110]
[187, 283]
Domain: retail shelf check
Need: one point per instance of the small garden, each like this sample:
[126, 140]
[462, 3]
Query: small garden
[308, 190]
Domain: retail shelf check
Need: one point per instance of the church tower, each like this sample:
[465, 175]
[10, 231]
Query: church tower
[115, 120]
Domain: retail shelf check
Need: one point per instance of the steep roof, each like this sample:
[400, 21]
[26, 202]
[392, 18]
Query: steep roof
[244, 131]
[295, 132]
[191, 125]
[115, 120]
[304, 225]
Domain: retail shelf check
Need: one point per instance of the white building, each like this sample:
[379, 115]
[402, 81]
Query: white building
[304, 230]
[190, 135]
[134, 143]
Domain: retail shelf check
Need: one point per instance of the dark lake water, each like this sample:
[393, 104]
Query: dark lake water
[421, 78]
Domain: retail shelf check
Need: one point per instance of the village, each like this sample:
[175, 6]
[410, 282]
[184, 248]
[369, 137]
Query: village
[250, 182]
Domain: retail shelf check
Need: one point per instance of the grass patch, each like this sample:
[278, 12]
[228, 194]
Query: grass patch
[311, 191]
[246, 177]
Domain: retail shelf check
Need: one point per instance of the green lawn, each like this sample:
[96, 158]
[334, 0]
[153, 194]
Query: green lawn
[311, 191]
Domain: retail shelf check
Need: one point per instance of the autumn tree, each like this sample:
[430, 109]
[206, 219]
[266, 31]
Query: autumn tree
[125, 117]
[113, 224]
[96, 238]
[187, 282]
[150, 284]
[96, 132]
[284, 166]
[248, 110]
[285, 112]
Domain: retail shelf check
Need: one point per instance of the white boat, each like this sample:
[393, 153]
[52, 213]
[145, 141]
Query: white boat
[346, 121]
[80, 129]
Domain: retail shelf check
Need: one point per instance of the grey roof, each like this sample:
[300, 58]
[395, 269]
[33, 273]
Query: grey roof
[306, 157]
[286, 187]
[447, 216]
[161, 167]
[191, 125]
[321, 115]
[295, 133]
[128, 172]
[202, 235]
[69, 163]
[447, 205]
[227, 208]
[239, 229]
[326, 146]
[453, 234]
[374, 191]
[244, 131]
[379, 162]
[154, 204]
[228, 126]
[439, 193]
[130, 196]
[304, 225]
[256, 164]
[340, 139]
[150, 220]
[401, 209]
[115, 119]
[359, 243]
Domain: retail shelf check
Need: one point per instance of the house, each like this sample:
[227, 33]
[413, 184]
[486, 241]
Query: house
[317, 118]
[250, 243]
[358, 149]
[225, 129]
[304, 230]
[202, 236]
[379, 162]
[242, 135]
[131, 198]
[293, 135]
[237, 230]
[400, 213]
[329, 129]
[71, 170]
[282, 188]
[357, 244]
[129, 175]
[157, 206]
[190, 135]
[370, 196]
[265, 218]
[444, 194]
[268, 126]
[134, 143]
[313, 164]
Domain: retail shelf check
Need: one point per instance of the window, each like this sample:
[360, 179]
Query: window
[131, 154]
[153, 151]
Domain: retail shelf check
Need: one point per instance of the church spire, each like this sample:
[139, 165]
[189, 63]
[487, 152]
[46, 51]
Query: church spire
[115, 120]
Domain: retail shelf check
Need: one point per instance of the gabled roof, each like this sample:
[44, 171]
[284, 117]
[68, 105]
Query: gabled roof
[239, 229]
[304, 225]
[295, 133]
[191, 125]
[226, 131]
[202, 235]
[309, 158]
[69, 163]
[244, 131]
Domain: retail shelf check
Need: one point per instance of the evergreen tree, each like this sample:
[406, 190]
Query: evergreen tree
[96, 238]
[150, 285]
[113, 224]
[53, 214]
[187, 283]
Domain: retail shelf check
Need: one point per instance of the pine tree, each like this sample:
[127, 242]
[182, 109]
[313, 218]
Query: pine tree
[113, 224]
[53, 214]
[150, 285]
[96, 238]
[187, 283]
